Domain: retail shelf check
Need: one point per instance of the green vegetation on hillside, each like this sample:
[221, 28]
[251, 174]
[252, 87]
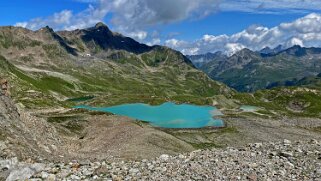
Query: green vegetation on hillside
[122, 71]
[291, 101]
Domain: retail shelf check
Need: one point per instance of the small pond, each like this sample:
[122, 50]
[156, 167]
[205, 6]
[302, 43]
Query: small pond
[246, 108]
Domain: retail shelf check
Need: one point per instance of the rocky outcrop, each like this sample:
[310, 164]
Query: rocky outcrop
[25, 136]
[4, 87]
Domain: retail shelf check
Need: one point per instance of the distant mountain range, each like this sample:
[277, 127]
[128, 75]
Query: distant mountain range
[45, 68]
[248, 71]
[200, 60]
[268, 50]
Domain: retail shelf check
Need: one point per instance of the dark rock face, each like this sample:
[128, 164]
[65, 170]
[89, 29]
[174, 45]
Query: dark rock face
[52, 34]
[8, 112]
[101, 36]
[4, 87]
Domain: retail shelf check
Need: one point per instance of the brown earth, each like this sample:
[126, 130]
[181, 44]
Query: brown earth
[94, 136]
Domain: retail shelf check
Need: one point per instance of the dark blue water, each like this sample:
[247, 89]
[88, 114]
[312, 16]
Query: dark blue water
[167, 115]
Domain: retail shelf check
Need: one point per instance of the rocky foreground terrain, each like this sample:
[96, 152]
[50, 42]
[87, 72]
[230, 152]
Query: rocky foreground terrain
[259, 161]
[31, 148]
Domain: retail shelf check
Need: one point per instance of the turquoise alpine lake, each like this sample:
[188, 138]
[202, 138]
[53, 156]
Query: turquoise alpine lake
[167, 115]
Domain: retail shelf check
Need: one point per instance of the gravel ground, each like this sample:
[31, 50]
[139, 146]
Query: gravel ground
[284, 160]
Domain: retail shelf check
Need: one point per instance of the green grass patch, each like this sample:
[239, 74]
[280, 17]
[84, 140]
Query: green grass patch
[317, 129]
[75, 126]
[205, 145]
[228, 130]
[2, 136]
[81, 99]
[62, 119]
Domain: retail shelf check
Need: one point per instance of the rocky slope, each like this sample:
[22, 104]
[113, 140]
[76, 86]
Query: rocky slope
[25, 136]
[260, 161]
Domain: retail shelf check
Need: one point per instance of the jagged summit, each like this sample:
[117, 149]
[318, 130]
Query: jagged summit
[267, 50]
[47, 29]
[100, 27]
[245, 52]
[100, 37]
[101, 24]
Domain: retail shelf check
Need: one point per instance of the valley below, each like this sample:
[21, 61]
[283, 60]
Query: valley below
[46, 134]
[77, 144]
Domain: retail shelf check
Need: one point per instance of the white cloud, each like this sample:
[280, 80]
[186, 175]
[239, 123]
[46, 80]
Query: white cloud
[294, 41]
[66, 20]
[140, 35]
[137, 14]
[190, 51]
[136, 17]
[271, 6]
[305, 31]
[154, 41]
[174, 43]
[232, 48]
[130, 17]
[127, 15]
[22, 24]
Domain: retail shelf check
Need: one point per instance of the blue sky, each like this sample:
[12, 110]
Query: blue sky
[226, 23]
[218, 23]
[192, 27]
[23, 10]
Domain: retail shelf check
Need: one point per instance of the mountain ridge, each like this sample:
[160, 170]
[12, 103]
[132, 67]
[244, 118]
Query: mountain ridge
[54, 66]
[248, 71]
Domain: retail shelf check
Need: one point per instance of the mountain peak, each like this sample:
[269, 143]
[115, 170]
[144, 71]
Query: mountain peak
[101, 25]
[267, 50]
[102, 28]
[47, 29]
[244, 51]
[296, 47]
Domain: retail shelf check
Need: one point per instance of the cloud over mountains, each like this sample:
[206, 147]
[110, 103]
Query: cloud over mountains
[305, 31]
[139, 19]
[131, 17]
